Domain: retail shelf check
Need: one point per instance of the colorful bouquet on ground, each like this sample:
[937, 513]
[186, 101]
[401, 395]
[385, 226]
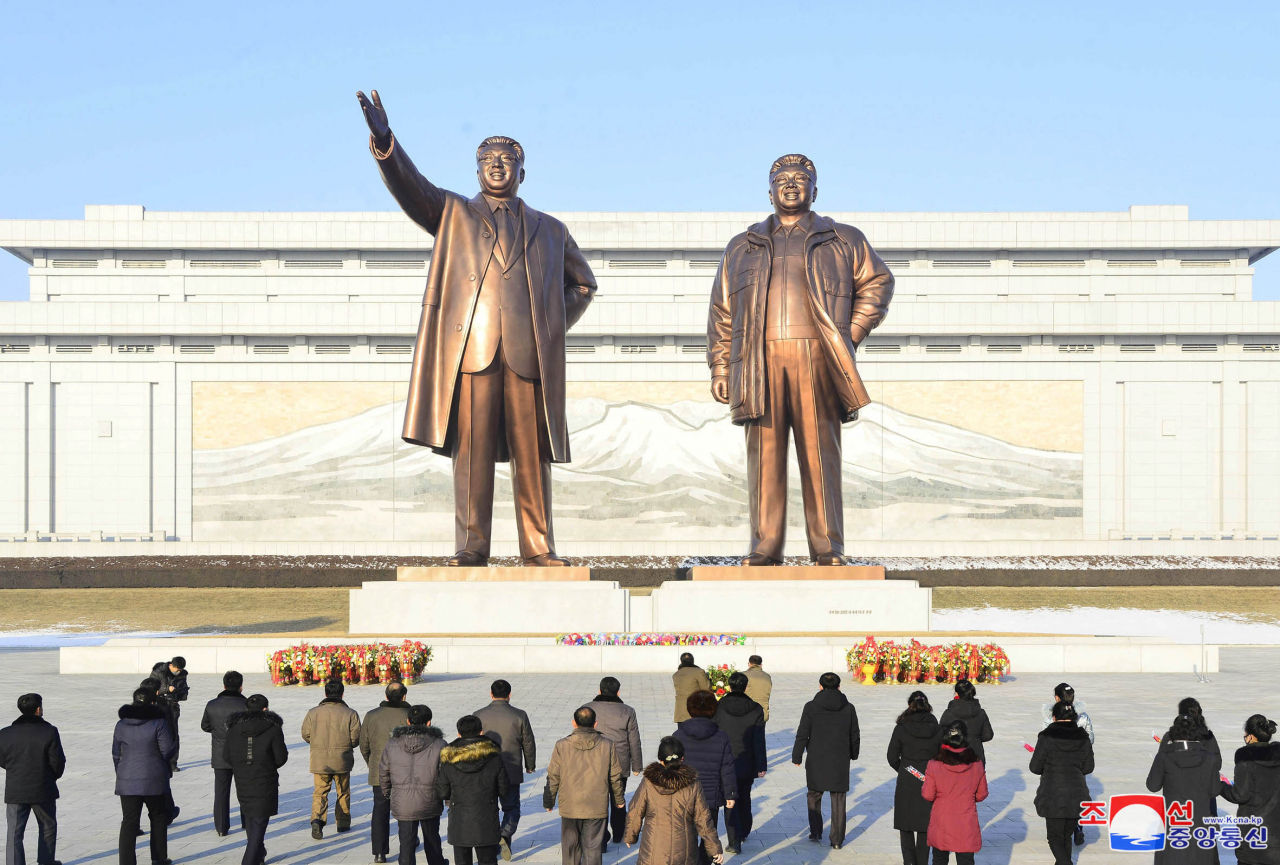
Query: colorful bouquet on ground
[651, 640]
[915, 663]
[354, 663]
[719, 676]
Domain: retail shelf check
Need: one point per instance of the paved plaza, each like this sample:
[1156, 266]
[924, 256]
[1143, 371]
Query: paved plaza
[1125, 710]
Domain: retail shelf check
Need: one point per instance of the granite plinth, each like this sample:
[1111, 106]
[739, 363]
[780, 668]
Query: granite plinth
[786, 572]
[791, 606]
[488, 607]
[491, 575]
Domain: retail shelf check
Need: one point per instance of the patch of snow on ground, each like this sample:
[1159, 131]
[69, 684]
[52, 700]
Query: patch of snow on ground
[1181, 626]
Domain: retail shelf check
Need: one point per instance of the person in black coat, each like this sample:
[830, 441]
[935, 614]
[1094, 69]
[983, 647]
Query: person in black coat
[172, 678]
[472, 778]
[254, 748]
[1063, 756]
[33, 761]
[1187, 771]
[1256, 789]
[141, 749]
[916, 739]
[155, 687]
[965, 707]
[829, 732]
[742, 719]
[214, 721]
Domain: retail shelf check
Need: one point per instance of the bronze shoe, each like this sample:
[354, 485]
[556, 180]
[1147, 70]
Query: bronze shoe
[829, 558]
[758, 560]
[547, 560]
[468, 559]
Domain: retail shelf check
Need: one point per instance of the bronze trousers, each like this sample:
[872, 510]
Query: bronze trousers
[493, 404]
[799, 398]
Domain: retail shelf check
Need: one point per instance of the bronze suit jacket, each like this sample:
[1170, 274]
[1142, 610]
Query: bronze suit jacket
[561, 286]
[849, 287]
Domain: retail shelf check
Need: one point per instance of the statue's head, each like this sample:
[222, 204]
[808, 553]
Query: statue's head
[500, 165]
[793, 184]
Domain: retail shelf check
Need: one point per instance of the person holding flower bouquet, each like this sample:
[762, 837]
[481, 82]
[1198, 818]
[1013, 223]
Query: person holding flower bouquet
[965, 707]
[915, 741]
[687, 679]
[742, 719]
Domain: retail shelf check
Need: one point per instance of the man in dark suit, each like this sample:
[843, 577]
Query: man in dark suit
[488, 379]
[510, 729]
[32, 758]
[214, 722]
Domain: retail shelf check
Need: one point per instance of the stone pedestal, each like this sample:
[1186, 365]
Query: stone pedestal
[792, 606]
[779, 573]
[492, 575]
[488, 607]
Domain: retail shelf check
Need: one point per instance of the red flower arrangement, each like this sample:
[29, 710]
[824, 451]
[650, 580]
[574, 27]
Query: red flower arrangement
[353, 663]
[719, 676]
[915, 663]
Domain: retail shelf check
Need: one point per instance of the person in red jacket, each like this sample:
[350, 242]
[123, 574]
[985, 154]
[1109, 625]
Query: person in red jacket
[955, 782]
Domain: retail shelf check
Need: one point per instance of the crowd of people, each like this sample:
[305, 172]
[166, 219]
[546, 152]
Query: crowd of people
[708, 764]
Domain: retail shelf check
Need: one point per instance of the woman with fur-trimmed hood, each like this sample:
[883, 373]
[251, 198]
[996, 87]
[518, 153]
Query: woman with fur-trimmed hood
[255, 750]
[472, 778]
[669, 812]
[955, 782]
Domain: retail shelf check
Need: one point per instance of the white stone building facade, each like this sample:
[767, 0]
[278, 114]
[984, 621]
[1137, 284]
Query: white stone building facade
[1046, 383]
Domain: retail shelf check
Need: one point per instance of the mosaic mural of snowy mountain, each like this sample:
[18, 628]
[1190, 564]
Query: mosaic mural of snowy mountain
[651, 467]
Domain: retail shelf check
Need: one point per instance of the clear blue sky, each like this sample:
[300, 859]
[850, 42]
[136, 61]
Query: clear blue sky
[645, 106]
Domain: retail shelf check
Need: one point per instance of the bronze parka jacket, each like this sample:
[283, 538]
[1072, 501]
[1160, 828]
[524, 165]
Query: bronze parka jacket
[849, 287]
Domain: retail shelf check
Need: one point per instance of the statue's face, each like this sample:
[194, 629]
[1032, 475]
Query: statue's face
[792, 189]
[500, 170]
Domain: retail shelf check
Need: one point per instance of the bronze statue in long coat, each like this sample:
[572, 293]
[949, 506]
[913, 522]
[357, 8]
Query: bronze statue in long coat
[488, 381]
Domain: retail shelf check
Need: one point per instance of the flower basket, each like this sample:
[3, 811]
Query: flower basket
[915, 663]
[360, 664]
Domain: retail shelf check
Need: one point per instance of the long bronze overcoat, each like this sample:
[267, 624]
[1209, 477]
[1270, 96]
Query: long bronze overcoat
[561, 286]
[850, 289]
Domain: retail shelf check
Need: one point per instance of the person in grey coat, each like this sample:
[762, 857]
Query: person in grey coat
[616, 721]
[407, 772]
[510, 730]
[141, 748]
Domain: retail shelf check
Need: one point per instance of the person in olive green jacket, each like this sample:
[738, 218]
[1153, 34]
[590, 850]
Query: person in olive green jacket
[584, 773]
[688, 679]
[759, 683]
[374, 734]
[332, 729]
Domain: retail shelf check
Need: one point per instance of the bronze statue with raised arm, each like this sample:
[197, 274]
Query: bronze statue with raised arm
[488, 380]
[794, 296]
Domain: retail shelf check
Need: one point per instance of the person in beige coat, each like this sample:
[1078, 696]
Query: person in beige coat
[332, 729]
[669, 814]
[585, 774]
[759, 683]
[688, 679]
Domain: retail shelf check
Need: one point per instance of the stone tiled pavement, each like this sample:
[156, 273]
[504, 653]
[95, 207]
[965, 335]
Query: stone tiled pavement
[1125, 710]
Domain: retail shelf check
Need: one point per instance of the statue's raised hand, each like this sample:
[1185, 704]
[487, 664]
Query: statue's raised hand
[376, 116]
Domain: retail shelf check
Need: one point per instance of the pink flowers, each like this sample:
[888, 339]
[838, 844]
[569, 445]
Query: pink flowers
[651, 640]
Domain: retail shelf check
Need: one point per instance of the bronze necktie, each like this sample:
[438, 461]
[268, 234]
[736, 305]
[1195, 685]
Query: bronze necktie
[506, 230]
